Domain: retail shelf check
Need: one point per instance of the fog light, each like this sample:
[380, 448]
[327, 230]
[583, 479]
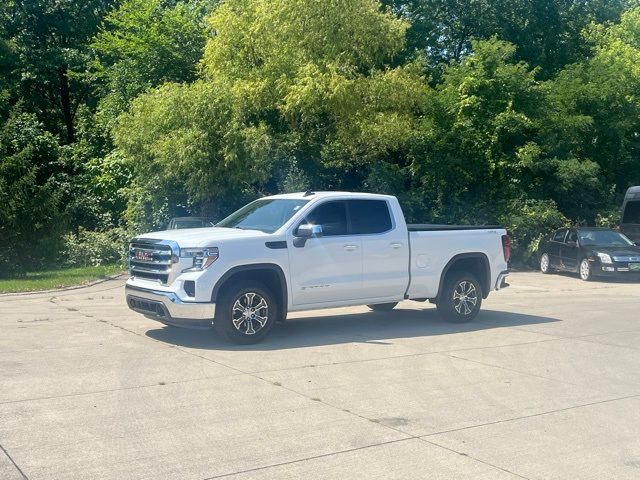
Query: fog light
[190, 288]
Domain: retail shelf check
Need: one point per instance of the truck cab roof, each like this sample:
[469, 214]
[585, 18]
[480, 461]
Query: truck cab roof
[311, 195]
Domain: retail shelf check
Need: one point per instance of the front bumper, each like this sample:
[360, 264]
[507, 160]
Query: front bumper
[168, 308]
[608, 270]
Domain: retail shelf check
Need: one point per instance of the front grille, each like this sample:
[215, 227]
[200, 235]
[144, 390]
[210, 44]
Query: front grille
[152, 259]
[626, 259]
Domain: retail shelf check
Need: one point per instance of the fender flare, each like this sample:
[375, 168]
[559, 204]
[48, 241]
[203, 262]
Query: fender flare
[250, 267]
[462, 256]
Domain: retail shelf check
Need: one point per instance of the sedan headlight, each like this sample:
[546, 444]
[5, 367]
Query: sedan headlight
[202, 257]
[604, 257]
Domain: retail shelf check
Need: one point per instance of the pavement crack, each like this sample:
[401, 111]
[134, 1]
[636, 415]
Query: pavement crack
[474, 458]
[533, 415]
[513, 370]
[24, 476]
[408, 436]
[94, 392]
[314, 457]
[410, 355]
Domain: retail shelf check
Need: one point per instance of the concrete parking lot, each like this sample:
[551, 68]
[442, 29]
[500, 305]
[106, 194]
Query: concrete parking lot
[544, 384]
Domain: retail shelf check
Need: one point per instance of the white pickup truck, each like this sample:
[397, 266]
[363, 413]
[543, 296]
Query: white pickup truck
[311, 250]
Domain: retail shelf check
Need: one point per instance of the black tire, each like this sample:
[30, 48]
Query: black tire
[460, 299]
[587, 273]
[235, 319]
[545, 264]
[383, 307]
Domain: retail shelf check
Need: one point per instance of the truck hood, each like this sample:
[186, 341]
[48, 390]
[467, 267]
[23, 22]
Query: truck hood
[202, 237]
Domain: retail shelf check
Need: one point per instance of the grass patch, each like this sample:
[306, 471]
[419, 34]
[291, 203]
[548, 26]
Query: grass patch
[49, 279]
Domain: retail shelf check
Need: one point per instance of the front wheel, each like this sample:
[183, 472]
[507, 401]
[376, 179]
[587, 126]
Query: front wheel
[585, 270]
[460, 299]
[245, 313]
[383, 307]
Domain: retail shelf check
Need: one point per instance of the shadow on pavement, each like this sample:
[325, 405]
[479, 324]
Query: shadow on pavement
[366, 327]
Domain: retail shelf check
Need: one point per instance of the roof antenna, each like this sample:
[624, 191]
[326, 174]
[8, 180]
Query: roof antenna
[308, 193]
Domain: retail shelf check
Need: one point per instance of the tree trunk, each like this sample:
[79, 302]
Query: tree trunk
[65, 101]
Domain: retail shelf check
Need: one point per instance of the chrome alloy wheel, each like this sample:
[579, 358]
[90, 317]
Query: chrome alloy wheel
[585, 269]
[250, 313]
[465, 297]
[544, 263]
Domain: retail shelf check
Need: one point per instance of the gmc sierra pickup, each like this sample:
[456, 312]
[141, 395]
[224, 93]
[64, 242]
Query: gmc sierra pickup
[306, 251]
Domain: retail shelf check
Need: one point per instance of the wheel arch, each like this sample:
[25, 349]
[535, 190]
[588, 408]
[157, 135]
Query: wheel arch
[472, 262]
[270, 274]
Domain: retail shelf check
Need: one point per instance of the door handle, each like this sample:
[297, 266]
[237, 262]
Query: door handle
[350, 248]
[396, 245]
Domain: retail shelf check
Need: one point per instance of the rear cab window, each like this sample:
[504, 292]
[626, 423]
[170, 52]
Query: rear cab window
[369, 217]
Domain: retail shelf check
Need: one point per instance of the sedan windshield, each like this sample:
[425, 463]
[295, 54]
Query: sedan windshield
[266, 215]
[604, 238]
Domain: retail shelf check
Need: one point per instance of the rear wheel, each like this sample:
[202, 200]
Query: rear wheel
[545, 263]
[383, 307]
[460, 299]
[245, 313]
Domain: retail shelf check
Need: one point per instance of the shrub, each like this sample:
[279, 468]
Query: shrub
[87, 248]
[609, 218]
[527, 223]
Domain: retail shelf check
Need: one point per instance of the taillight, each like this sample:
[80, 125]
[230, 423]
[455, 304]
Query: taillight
[506, 247]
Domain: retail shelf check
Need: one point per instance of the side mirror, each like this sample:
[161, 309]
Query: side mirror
[305, 232]
[309, 231]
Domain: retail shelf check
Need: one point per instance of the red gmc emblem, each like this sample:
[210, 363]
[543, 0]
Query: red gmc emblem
[143, 255]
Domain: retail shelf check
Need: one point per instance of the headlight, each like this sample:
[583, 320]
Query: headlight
[202, 257]
[604, 257]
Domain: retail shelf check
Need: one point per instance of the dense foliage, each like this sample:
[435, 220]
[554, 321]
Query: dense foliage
[117, 115]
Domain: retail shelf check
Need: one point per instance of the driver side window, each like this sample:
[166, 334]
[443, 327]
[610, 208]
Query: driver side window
[572, 237]
[331, 216]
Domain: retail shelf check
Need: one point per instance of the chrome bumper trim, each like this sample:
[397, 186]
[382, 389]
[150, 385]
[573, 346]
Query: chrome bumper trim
[167, 305]
[501, 282]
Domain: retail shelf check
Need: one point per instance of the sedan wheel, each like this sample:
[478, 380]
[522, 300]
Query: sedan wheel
[585, 270]
[545, 264]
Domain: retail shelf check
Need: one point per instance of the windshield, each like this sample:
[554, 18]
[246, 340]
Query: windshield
[604, 238]
[265, 215]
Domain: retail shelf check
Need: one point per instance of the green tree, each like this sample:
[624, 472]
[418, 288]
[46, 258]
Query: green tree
[596, 105]
[188, 153]
[546, 33]
[51, 40]
[318, 75]
[31, 220]
[288, 87]
[469, 158]
[144, 43]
